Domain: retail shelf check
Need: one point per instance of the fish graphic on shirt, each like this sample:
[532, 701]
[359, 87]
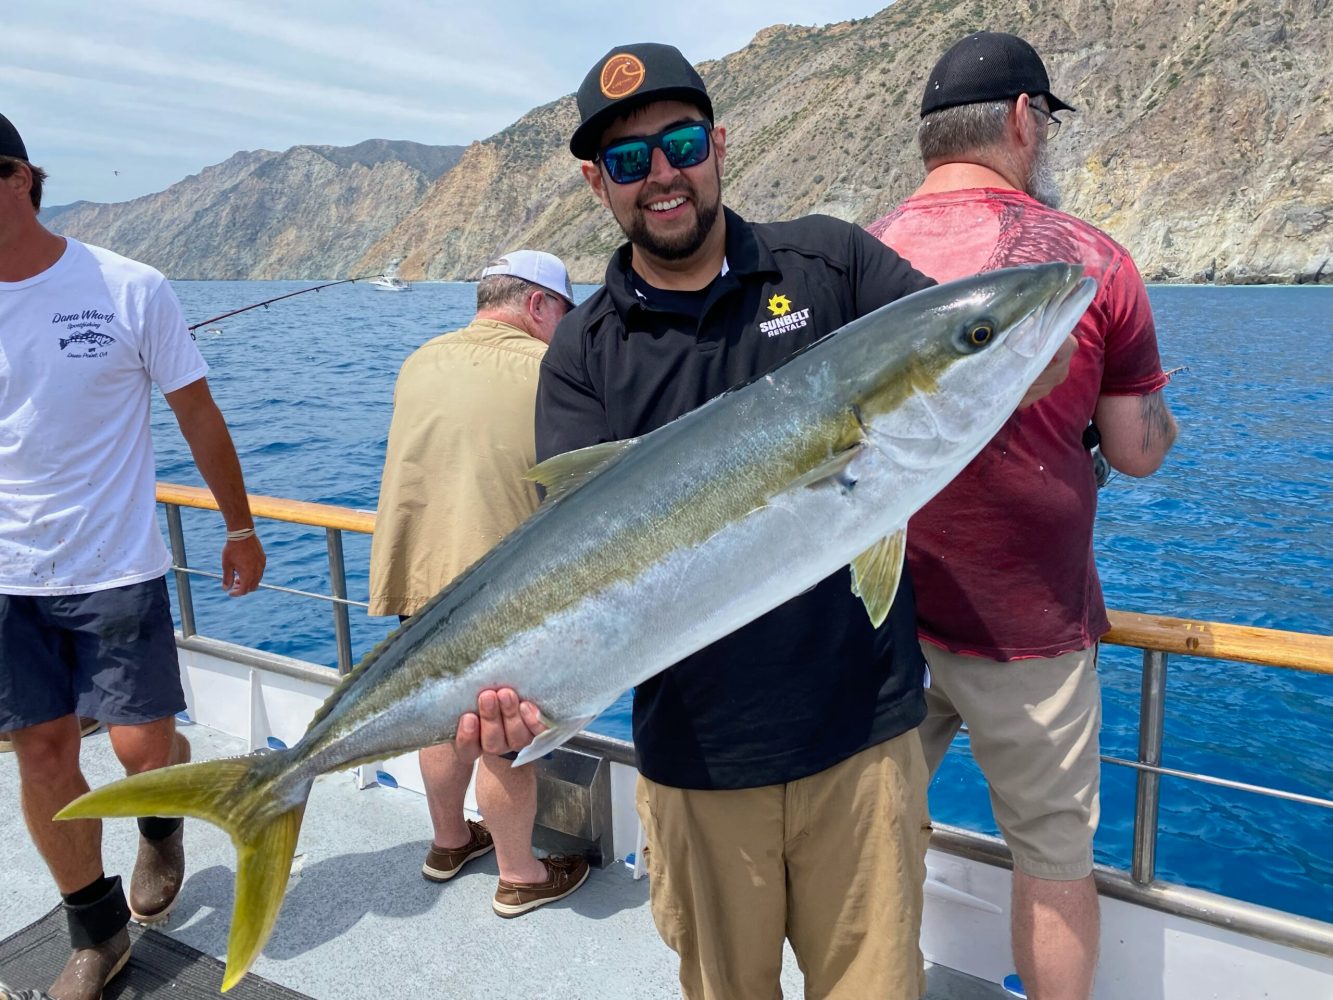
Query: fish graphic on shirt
[90, 338]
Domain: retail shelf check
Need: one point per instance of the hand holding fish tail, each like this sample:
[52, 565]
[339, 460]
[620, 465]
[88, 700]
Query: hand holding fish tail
[503, 723]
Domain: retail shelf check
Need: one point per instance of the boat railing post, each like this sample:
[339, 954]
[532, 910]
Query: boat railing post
[184, 599]
[1152, 717]
[342, 629]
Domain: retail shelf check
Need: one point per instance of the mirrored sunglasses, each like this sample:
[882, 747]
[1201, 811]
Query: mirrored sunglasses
[630, 160]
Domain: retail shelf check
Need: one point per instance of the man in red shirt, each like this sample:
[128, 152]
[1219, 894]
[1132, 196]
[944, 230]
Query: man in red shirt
[1008, 601]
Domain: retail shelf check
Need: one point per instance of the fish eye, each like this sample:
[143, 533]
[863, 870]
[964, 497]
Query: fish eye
[979, 334]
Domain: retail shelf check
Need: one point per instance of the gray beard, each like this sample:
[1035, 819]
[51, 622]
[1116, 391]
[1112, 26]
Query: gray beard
[1042, 184]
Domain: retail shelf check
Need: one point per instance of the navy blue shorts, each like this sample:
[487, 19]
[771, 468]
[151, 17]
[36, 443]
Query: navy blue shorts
[110, 655]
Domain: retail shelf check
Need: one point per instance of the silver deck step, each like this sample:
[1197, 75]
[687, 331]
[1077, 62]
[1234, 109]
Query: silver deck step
[360, 921]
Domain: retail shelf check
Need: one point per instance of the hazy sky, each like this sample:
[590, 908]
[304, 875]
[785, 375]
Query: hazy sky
[119, 99]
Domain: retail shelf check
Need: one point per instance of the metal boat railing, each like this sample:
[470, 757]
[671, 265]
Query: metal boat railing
[334, 521]
[1158, 637]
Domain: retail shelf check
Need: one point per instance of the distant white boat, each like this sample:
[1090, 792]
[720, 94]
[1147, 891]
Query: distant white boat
[389, 280]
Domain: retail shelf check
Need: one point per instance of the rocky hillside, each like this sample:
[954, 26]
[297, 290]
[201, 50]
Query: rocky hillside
[1203, 143]
[311, 211]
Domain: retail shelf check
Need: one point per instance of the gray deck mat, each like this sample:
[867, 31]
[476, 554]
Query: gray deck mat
[159, 966]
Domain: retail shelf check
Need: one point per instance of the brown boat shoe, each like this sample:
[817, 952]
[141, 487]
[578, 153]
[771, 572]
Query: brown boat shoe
[564, 874]
[443, 863]
[90, 969]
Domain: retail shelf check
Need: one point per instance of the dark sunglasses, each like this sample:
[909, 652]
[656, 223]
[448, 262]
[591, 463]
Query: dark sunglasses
[631, 160]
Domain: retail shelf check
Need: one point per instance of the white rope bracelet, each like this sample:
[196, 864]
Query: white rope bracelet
[240, 534]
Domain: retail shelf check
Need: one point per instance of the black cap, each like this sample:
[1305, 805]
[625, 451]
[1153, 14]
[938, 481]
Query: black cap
[628, 77]
[987, 66]
[11, 143]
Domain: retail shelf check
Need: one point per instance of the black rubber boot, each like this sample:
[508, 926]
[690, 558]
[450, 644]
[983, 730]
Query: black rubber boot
[101, 941]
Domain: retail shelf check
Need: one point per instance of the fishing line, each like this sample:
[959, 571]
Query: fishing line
[277, 298]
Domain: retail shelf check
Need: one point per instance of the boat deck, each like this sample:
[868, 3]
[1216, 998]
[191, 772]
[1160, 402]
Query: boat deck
[359, 920]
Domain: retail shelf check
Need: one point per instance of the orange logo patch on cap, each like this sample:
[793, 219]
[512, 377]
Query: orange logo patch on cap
[621, 76]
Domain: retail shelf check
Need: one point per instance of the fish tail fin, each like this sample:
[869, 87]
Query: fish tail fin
[263, 865]
[236, 794]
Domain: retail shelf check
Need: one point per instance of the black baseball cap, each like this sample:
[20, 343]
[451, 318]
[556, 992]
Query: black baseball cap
[628, 77]
[987, 66]
[11, 143]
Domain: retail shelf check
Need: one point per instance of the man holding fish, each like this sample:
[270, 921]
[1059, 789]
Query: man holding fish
[782, 786]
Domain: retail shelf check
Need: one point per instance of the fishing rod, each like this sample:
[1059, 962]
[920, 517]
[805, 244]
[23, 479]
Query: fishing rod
[278, 298]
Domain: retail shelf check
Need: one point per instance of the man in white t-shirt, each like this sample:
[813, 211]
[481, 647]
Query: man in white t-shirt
[85, 626]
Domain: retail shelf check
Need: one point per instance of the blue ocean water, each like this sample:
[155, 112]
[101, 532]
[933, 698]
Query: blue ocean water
[1237, 527]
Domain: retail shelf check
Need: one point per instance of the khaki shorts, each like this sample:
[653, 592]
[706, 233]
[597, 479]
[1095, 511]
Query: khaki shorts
[1033, 726]
[834, 862]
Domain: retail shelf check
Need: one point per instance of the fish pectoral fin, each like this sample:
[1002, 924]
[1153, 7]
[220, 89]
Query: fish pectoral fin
[834, 468]
[561, 474]
[556, 733]
[876, 572]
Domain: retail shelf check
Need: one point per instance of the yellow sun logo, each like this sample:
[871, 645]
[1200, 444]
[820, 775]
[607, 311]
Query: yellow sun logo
[779, 305]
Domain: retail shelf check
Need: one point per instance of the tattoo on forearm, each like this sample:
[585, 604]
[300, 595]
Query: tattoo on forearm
[1159, 429]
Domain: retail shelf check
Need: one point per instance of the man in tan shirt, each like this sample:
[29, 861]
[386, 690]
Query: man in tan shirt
[460, 442]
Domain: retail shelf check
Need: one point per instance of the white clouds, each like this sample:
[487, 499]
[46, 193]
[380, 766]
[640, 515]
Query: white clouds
[428, 58]
[165, 89]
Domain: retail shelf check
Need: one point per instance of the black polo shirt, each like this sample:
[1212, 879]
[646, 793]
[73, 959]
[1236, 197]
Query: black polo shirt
[810, 683]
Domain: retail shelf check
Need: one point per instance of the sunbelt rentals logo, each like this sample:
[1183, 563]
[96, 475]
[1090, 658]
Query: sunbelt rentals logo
[784, 319]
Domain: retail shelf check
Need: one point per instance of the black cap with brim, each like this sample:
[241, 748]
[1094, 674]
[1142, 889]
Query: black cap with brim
[987, 66]
[628, 77]
[11, 143]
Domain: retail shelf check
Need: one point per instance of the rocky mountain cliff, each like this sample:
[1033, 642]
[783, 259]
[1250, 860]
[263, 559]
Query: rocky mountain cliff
[311, 211]
[1203, 142]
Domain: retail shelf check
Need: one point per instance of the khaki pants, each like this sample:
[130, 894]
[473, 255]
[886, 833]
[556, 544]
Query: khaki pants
[834, 862]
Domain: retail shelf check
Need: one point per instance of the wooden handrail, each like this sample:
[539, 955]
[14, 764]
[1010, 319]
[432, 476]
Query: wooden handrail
[1243, 643]
[318, 515]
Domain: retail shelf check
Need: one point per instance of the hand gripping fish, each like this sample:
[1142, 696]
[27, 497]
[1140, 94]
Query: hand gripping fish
[648, 549]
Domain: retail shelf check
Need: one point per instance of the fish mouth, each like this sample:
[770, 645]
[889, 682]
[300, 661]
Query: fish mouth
[1033, 336]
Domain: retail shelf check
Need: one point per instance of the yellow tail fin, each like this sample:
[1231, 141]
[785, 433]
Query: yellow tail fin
[230, 794]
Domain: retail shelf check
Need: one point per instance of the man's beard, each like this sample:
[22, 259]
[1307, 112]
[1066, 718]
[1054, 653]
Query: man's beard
[682, 245]
[1042, 184]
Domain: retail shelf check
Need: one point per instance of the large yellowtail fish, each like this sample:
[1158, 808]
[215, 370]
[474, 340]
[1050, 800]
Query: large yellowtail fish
[647, 550]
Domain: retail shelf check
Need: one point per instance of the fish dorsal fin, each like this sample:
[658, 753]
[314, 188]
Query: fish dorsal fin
[832, 469]
[560, 474]
[876, 572]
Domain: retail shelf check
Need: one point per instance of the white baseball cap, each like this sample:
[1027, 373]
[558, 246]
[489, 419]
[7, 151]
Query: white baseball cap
[543, 269]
